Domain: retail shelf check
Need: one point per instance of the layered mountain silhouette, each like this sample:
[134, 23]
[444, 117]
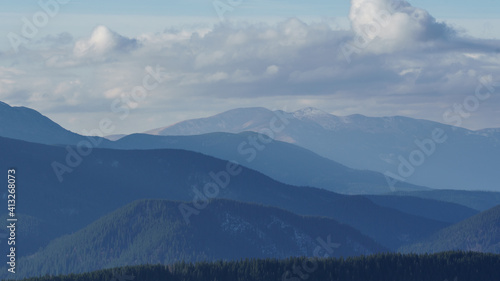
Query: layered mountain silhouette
[29, 125]
[153, 232]
[383, 144]
[196, 195]
[282, 161]
[108, 179]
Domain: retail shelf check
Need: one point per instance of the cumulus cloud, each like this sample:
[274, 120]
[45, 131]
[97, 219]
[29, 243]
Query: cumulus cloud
[394, 24]
[102, 42]
[272, 69]
[56, 41]
[412, 64]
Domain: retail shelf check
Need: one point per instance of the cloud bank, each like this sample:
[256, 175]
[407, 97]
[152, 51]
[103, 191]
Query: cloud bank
[408, 64]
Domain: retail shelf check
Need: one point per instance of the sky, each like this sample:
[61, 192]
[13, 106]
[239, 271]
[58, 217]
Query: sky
[149, 64]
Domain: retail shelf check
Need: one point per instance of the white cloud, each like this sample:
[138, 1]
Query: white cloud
[272, 69]
[414, 65]
[206, 59]
[114, 93]
[320, 73]
[102, 42]
[216, 77]
[390, 25]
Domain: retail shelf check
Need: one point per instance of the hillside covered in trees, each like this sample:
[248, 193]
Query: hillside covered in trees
[154, 232]
[480, 233]
[448, 266]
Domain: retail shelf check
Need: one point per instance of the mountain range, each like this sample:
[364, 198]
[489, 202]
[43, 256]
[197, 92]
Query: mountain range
[388, 145]
[282, 161]
[27, 124]
[195, 195]
[108, 179]
[421, 152]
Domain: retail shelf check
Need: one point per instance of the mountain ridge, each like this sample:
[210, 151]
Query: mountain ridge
[479, 233]
[27, 124]
[153, 232]
[382, 144]
[181, 175]
[279, 160]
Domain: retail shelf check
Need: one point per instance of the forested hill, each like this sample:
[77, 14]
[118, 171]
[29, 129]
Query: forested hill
[479, 233]
[154, 231]
[448, 266]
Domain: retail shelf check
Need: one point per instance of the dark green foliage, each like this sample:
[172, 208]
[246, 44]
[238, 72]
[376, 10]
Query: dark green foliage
[448, 266]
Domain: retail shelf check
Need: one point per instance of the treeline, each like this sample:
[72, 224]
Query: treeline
[450, 266]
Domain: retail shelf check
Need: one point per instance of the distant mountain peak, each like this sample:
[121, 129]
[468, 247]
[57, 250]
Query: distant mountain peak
[24, 123]
[356, 116]
[248, 109]
[308, 112]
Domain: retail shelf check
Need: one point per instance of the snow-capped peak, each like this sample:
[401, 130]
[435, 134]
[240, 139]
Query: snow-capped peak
[308, 112]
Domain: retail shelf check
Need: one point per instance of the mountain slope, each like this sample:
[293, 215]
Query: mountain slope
[371, 143]
[490, 132]
[282, 161]
[232, 121]
[279, 160]
[108, 179]
[479, 233]
[426, 208]
[153, 231]
[478, 200]
[29, 125]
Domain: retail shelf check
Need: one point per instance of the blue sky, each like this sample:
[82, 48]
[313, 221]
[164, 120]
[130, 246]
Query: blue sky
[440, 9]
[477, 18]
[429, 58]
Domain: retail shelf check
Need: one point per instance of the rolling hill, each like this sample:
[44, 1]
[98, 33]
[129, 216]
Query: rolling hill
[154, 232]
[480, 233]
[106, 180]
[282, 161]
